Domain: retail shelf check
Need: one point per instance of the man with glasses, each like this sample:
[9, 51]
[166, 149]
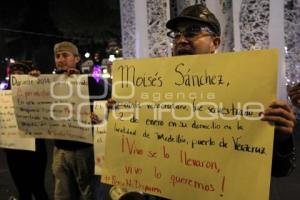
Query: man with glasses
[197, 31]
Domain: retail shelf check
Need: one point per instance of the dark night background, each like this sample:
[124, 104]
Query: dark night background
[28, 31]
[30, 28]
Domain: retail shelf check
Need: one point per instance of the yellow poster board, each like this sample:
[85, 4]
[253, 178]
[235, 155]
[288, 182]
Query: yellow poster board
[10, 135]
[189, 127]
[99, 132]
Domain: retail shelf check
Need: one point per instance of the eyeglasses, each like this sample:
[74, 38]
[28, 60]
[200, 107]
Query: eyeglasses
[191, 32]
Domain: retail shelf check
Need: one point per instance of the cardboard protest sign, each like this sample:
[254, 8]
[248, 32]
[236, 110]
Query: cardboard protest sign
[189, 127]
[100, 131]
[53, 106]
[10, 135]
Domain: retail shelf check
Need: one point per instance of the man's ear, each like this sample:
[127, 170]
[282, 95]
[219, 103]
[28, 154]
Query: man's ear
[77, 59]
[216, 42]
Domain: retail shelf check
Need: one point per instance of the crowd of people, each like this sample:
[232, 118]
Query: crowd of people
[195, 30]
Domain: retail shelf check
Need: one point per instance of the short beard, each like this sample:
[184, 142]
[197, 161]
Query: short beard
[183, 50]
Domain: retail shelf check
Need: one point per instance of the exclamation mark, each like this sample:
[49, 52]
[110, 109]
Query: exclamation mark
[223, 184]
[123, 143]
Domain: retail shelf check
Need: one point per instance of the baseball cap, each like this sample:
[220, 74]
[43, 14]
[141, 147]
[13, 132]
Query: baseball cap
[66, 46]
[197, 13]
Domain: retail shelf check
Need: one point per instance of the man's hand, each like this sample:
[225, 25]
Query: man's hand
[95, 119]
[68, 71]
[294, 94]
[111, 103]
[71, 71]
[280, 114]
[35, 73]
